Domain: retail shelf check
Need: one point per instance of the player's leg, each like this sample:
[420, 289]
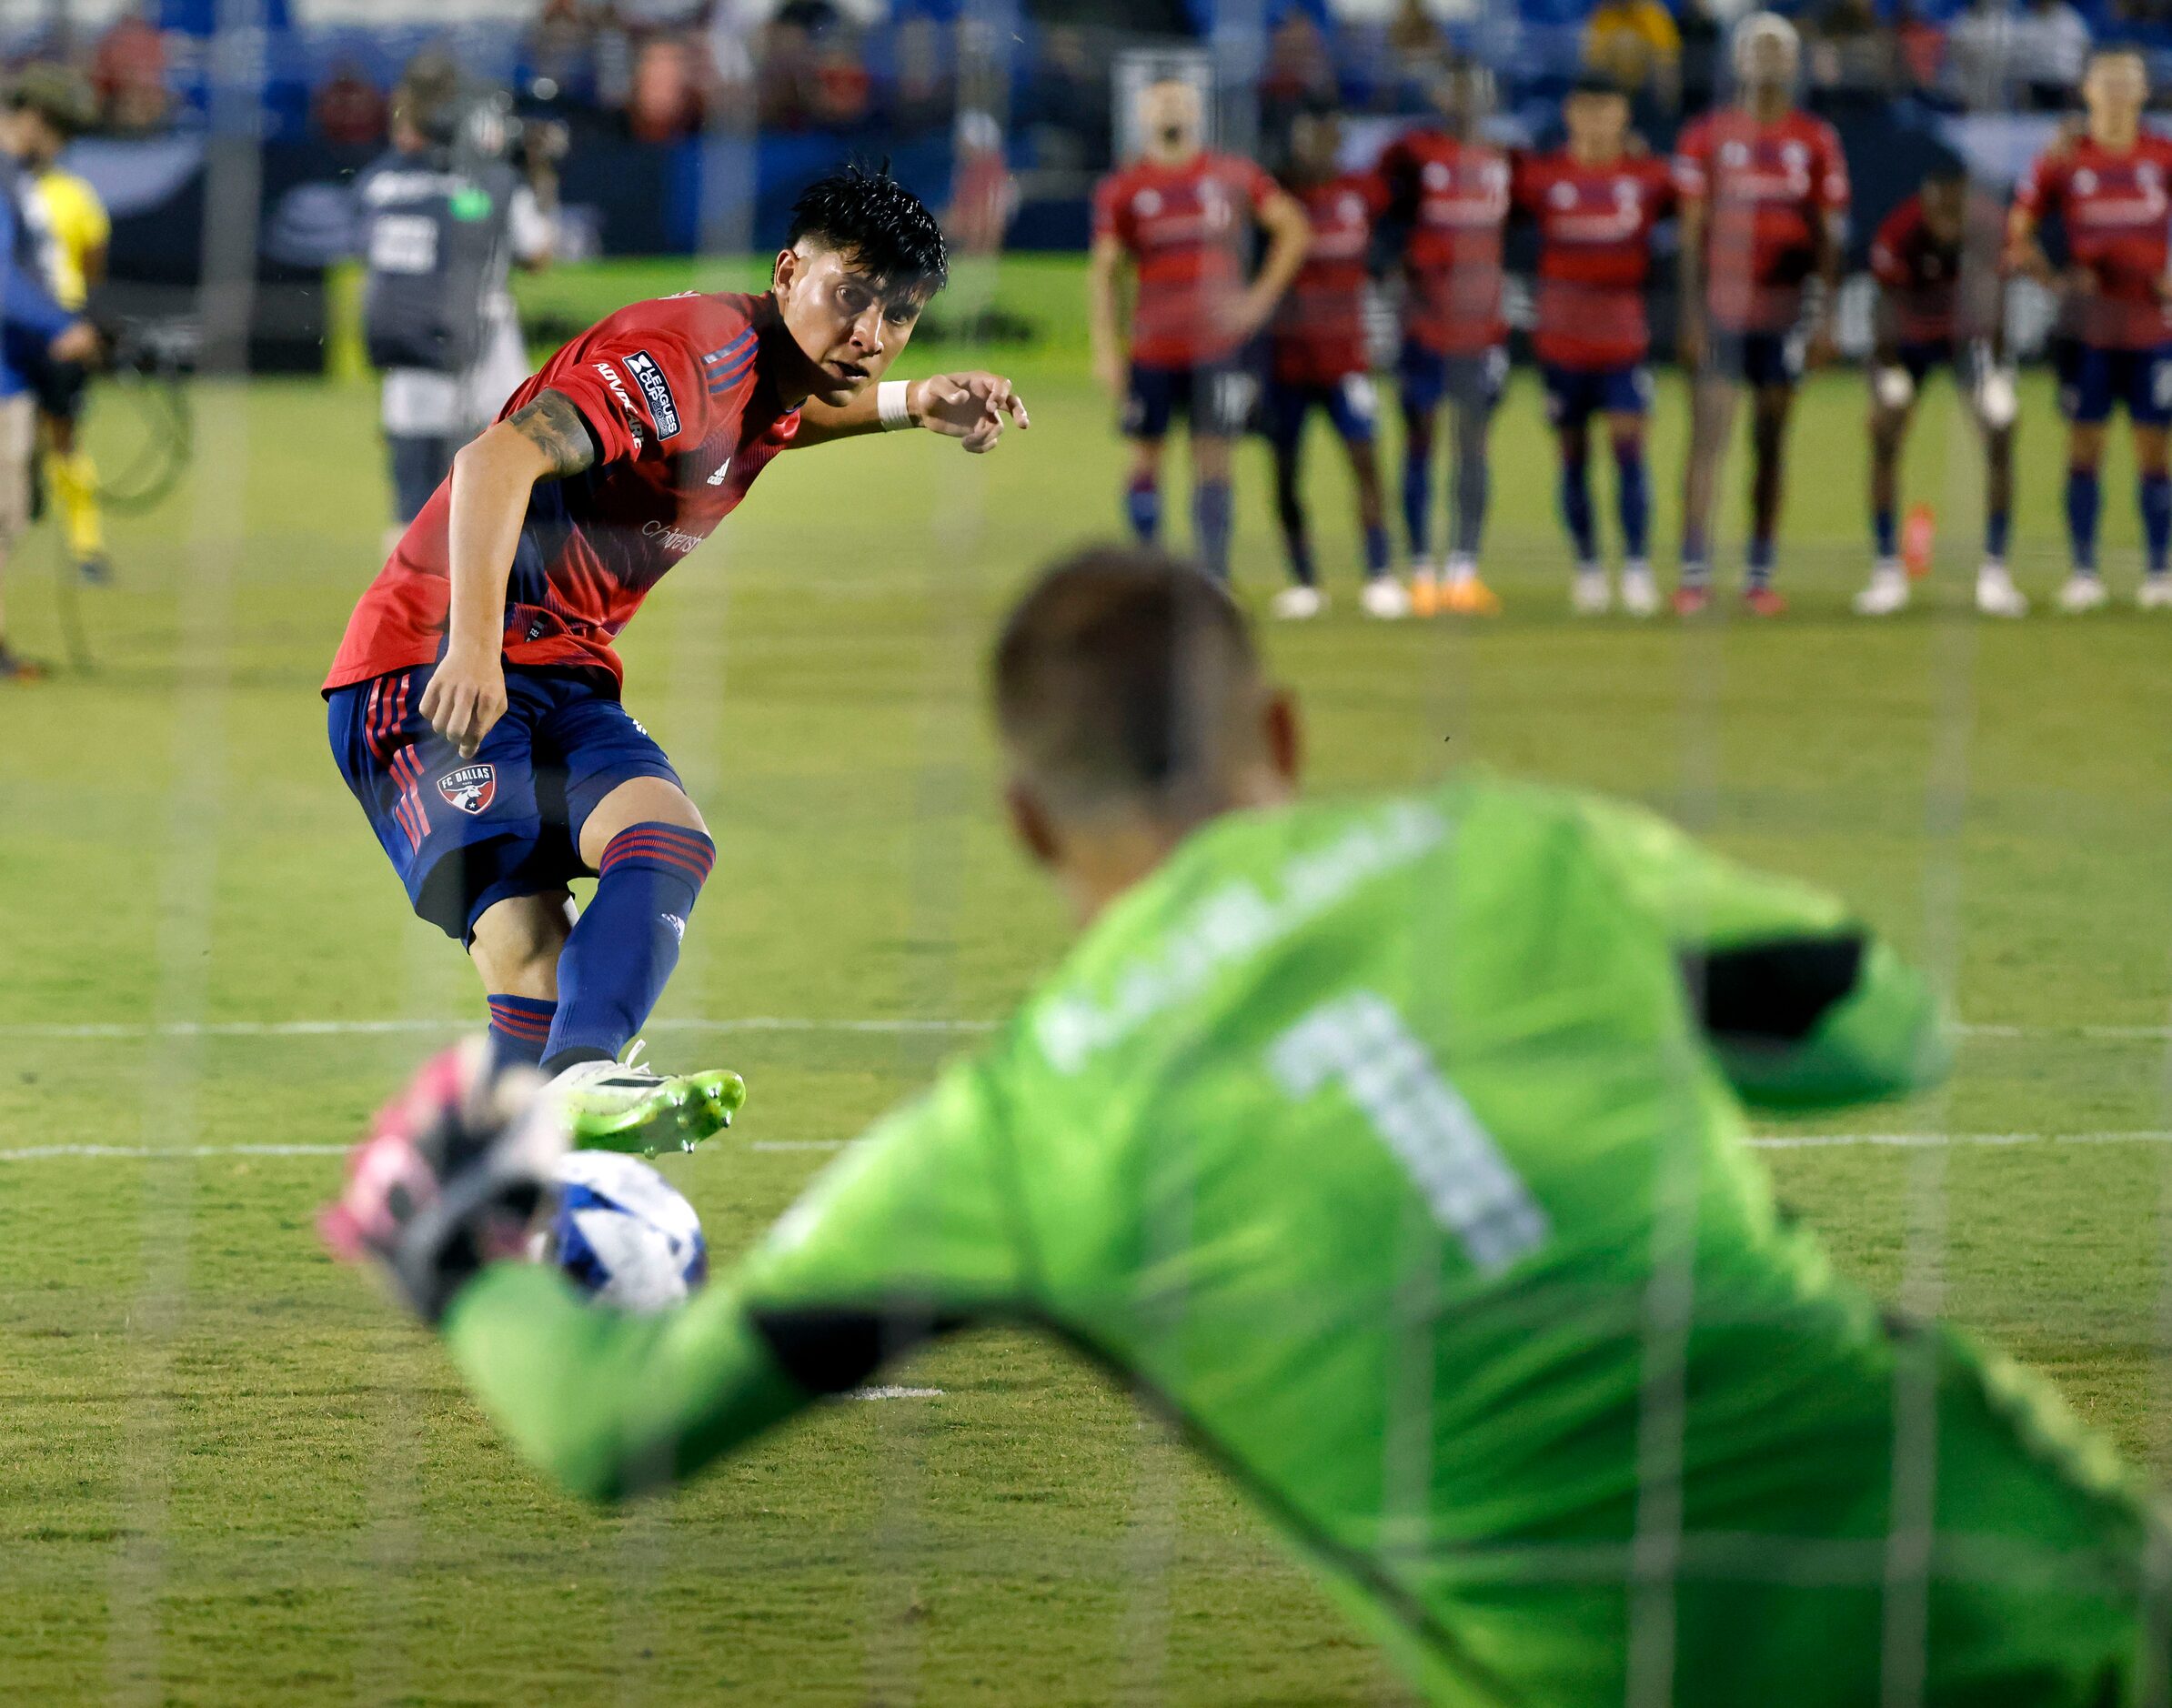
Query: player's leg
[1892, 406]
[70, 471]
[2086, 381]
[1773, 368]
[1421, 383]
[1996, 594]
[515, 944]
[1285, 408]
[18, 430]
[1217, 406]
[1475, 384]
[1569, 405]
[1353, 407]
[1714, 393]
[1628, 402]
[2149, 410]
[1148, 404]
[625, 817]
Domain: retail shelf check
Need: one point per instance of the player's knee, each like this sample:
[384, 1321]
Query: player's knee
[640, 800]
[515, 943]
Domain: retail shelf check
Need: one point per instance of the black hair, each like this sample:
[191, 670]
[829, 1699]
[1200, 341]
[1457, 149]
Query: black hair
[1946, 167]
[863, 212]
[1116, 678]
[1597, 82]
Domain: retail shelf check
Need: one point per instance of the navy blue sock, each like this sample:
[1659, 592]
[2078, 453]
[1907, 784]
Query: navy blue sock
[2156, 520]
[1885, 529]
[1211, 518]
[1696, 557]
[1760, 563]
[1142, 509]
[613, 965]
[1576, 508]
[1417, 494]
[1376, 548]
[1633, 496]
[1996, 525]
[2085, 498]
[519, 1027]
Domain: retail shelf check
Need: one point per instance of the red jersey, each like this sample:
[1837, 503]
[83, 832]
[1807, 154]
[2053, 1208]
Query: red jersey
[1319, 334]
[1456, 196]
[1186, 229]
[1924, 274]
[684, 417]
[2114, 209]
[1595, 230]
[1766, 189]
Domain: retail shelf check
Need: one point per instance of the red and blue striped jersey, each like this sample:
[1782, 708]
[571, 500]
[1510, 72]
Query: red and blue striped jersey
[684, 416]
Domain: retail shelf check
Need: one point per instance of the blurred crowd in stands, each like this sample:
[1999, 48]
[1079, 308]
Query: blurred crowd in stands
[665, 69]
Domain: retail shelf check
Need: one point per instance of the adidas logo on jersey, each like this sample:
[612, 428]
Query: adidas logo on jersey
[723, 469]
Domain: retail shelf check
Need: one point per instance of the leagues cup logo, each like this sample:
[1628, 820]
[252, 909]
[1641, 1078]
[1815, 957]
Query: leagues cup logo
[471, 788]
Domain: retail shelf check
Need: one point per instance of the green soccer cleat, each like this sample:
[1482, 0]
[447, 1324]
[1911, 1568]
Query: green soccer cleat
[620, 1106]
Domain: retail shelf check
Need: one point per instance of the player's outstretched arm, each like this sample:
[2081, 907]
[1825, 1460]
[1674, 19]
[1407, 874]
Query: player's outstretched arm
[1803, 1005]
[973, 407]
[493, 474]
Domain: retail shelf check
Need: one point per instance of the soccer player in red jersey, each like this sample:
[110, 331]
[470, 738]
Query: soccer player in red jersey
[1317, 360]
[1935, 258]
[1763, 197]
[474, 705]
[2109, 188]
[1594, 205]
[1448, 190]
[1180, 216]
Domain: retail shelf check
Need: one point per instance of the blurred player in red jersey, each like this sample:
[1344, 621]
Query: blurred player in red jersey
[2109, 189]
[1940, 302]
[1317, 359]
[1448, 189]
[474, 705]
[1182, 215]
[1763, 197]
[1594, 205]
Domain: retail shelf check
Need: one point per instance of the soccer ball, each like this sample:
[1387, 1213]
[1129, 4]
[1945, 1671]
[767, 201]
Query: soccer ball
[623, 1234]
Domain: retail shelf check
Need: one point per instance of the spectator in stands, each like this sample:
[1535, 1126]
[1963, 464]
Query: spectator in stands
[920, 97]
[1999, 56]
[665, 101]
[1069, 97]
[1421, 51]
[129, 72]
[349, 109]
[841, 95]
[1853, 58]
[560, 53]
[2055, 47]
[1299, 71]
[1921, 44]
[1635, 45]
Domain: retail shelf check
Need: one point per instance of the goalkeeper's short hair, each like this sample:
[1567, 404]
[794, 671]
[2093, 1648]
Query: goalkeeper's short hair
[1122, 680]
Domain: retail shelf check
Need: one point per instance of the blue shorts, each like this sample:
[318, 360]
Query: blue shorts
[1426, 378]
[464, 834]
[1574, 395]
[2093, 378]
[1916, 357]
[1755, 359]
[1352, 403]
[1215, 397]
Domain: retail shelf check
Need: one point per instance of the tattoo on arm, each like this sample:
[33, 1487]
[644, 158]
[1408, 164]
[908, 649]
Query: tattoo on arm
[557, 427]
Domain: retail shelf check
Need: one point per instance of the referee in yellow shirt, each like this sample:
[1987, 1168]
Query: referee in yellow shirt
[47, 107]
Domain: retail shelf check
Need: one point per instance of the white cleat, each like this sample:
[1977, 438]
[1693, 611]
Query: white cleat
[1996, 594]
[2082, 593]
[1298, 605]
[1887, 591]
[1385, 598]
[2155, 594]
[1640, 590]
[1589, 593]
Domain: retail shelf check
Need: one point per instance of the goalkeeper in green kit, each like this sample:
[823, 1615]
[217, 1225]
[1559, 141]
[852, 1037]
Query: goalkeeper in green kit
[1397, 1146]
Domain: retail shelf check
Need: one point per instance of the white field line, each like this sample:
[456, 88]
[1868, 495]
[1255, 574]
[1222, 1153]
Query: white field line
[941, 1026]
[1762, 1141]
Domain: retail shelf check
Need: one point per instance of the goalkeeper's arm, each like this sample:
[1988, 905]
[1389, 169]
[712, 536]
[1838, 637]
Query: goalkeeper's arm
[905, 1237]
[1804, 1006]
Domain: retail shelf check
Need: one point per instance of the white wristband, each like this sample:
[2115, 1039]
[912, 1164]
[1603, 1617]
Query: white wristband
[891, 407]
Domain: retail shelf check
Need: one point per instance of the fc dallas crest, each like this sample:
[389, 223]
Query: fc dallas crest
[471, 788]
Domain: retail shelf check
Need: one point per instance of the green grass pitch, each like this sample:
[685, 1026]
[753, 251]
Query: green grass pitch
[229, 1475]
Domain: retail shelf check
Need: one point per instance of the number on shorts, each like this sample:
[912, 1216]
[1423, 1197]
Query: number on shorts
[1361, 1042]
[1359, 397]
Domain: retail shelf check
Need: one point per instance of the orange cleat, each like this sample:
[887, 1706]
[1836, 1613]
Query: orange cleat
[1688, 601]
[1425, 594]
[1763, 602]
[1467, 595]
